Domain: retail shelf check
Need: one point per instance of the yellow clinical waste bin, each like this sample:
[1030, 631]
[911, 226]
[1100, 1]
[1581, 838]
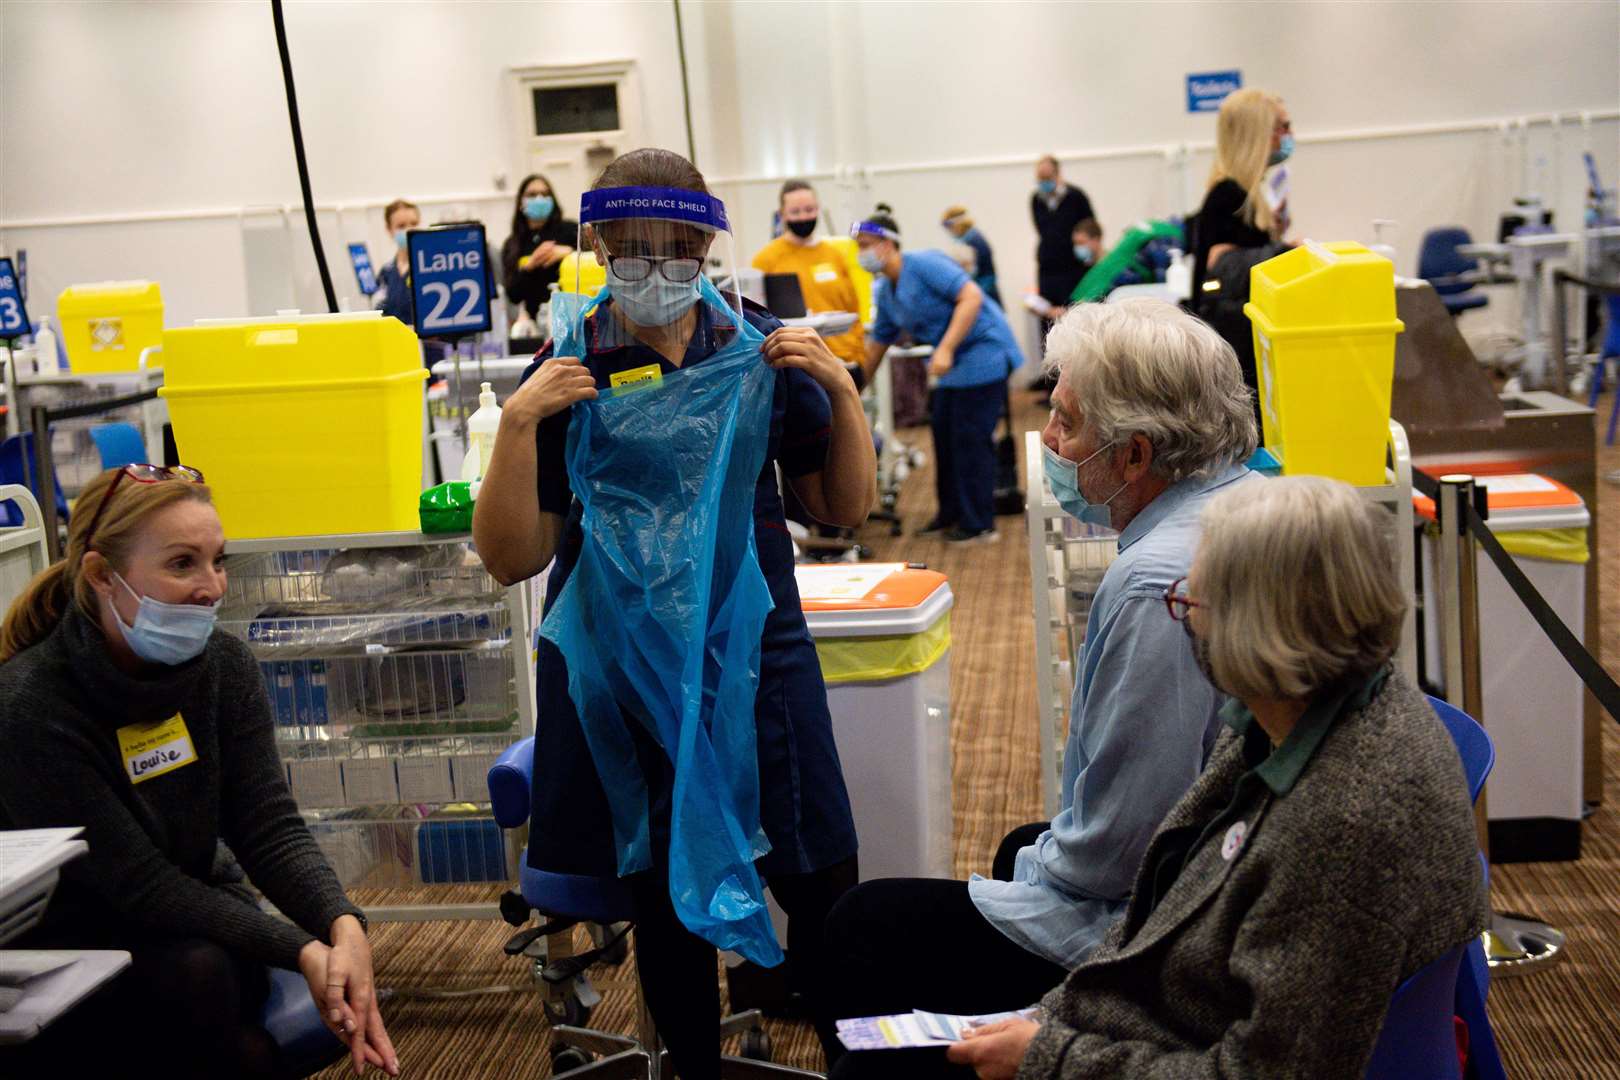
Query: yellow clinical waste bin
[303, 425]
[883, 635]
[1534, 702]
[580, 273]
[1324, 343]
[106, 325]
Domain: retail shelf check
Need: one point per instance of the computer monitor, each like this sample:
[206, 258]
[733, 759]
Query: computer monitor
[784, 298]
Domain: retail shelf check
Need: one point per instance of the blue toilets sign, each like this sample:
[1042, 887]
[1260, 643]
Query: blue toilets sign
[13, 316]
[363, 272]
[449, 280]
[1205, 92]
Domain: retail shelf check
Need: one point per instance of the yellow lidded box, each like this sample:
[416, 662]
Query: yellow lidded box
[105, 325]
[1324, 345]
[303, 425]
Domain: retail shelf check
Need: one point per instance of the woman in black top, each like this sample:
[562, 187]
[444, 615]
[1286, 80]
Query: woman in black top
[124, 713]
[541, 239]
[1252, 134]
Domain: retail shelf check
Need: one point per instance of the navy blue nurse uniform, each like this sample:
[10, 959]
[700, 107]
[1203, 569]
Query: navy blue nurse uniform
[804, 806]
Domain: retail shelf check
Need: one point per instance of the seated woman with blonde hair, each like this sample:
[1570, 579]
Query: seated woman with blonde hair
[1326, 854]
[126, 714]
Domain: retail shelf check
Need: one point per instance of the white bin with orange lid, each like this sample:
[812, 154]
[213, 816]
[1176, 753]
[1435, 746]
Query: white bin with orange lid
[883, 635]
[1534, 701]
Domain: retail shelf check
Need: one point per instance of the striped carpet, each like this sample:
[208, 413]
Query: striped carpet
[1558, 1023]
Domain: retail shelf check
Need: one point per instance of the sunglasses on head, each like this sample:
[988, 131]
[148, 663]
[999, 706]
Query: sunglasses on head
[141, 474]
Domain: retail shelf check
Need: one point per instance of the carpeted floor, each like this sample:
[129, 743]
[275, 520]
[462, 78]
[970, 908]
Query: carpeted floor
[1559, 1023]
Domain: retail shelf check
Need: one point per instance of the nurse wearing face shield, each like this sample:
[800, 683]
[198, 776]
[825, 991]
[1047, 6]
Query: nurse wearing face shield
[684, 745]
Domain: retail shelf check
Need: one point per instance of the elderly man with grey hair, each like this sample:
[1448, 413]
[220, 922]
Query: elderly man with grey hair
[1150, 420]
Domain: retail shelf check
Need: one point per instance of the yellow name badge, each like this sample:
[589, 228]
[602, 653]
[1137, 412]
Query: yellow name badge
[636, 378]
[154, 749]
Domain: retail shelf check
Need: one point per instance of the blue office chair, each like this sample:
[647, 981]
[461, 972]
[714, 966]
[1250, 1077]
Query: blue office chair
[17, 467]
[119, 445]
[1418, 1040]
[304, 1044]
[1474, 979]
[566, 900]
[1450, 273]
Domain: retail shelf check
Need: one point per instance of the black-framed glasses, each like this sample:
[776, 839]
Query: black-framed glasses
[679, 269]
[141, 474]
[1177, 602]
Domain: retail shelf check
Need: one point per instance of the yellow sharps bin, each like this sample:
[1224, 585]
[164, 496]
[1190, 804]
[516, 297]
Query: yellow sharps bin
[1324, 343]
[304, 425]
[106, 325]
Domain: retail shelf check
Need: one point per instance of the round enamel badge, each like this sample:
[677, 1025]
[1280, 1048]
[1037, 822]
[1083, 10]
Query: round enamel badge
[1234, 841]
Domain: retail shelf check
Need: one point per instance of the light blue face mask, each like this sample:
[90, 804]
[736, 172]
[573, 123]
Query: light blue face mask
[538, 207]
[870, 260]
[1064, 477]
[654, 300]
[400, 238]
[1284, 151]
[1046, 187]
[167, 633]
[1083, 254]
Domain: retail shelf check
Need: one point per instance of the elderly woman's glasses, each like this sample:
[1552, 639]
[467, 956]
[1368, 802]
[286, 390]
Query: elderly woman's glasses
[141, 474]
[1177, 602]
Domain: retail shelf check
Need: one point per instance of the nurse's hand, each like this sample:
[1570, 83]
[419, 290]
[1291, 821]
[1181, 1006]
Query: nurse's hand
[558, 383]
[801, 347]
[942, 361]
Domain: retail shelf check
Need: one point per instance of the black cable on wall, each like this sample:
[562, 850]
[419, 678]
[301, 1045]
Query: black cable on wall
[686, 93]
[303, 165]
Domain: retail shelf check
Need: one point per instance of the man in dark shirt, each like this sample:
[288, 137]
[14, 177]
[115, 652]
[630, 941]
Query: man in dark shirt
[1057, 208]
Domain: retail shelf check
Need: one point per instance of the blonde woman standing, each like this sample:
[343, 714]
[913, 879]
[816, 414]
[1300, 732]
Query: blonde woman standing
[1241, 221]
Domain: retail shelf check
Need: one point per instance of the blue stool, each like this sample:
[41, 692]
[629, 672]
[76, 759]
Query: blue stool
[305, 1045]
[119, 445]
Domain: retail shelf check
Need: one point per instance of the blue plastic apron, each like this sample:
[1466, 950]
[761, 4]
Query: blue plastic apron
[660, 622]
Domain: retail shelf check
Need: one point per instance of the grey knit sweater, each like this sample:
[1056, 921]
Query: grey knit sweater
[150, 870]
[1277, 954]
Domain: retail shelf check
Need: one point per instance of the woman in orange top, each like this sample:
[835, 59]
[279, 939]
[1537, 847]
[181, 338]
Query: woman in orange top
[823, 274]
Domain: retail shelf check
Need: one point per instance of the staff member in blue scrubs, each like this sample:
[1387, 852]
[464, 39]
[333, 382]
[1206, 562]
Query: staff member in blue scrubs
[927, 295]
[527, 512]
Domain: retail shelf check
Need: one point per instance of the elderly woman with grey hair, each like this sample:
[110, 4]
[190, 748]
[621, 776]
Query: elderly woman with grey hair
[1326, 854]
[1150, 420]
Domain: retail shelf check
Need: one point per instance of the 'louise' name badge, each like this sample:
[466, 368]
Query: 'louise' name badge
[154, 749]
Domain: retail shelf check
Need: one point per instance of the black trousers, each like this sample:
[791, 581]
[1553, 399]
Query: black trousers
[182, 1009]
[964, 422]
[680, 976]
[919, 943]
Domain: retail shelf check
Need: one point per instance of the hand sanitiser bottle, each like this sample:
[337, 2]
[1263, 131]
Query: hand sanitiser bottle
[481, 428]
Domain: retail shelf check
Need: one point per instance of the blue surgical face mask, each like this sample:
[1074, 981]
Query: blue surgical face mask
[1064, 477]
[1284, 151]
[400, 237]
[870, 260]
[654, 300]
[166, 633]
[1083, 254]
[538, 207]
[1046, 187]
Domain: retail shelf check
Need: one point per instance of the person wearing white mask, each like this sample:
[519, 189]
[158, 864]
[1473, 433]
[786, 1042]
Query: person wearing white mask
[653, 223]
[541, 238]
[1150, 421]
[127, 714]
[927, 295]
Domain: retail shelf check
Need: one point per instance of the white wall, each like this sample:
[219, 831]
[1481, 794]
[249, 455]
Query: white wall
[123, 108]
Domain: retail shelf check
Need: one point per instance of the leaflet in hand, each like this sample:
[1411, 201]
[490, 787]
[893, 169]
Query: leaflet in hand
[916, 1028]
